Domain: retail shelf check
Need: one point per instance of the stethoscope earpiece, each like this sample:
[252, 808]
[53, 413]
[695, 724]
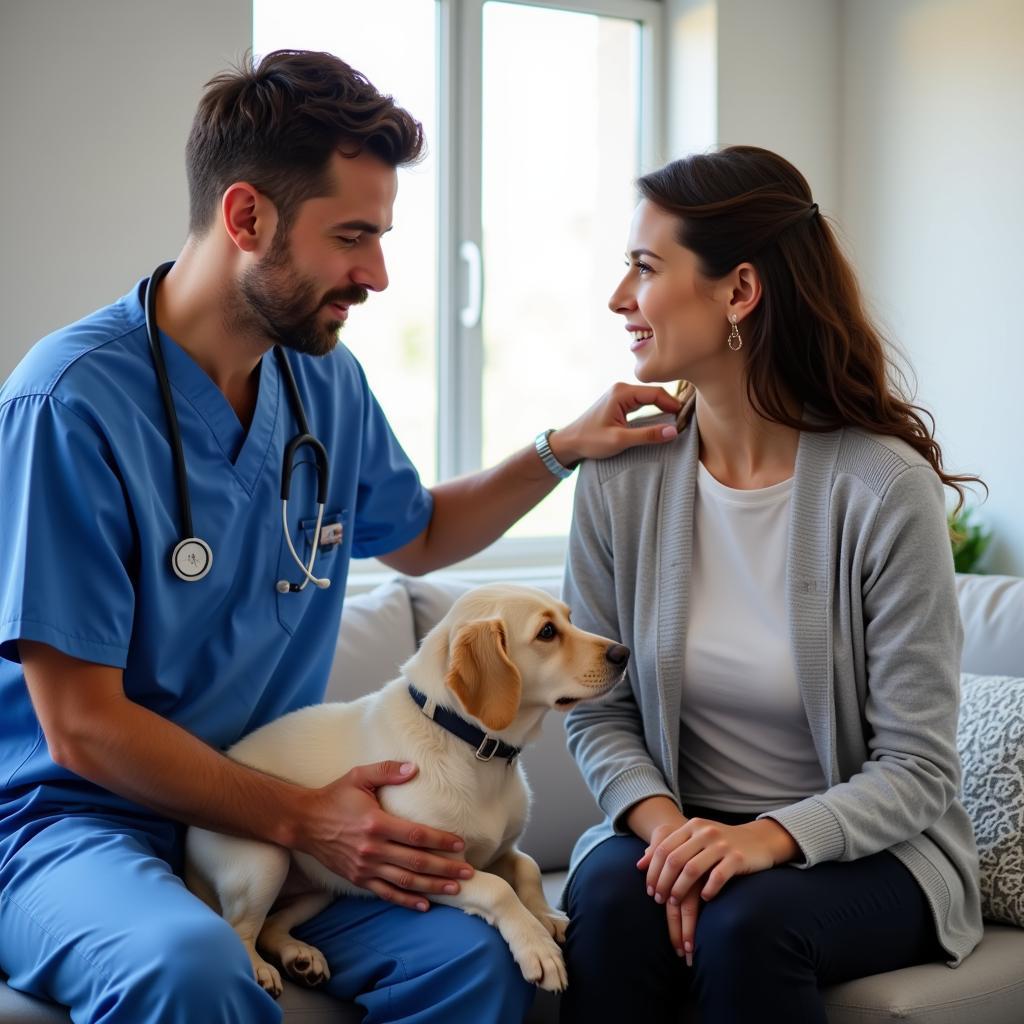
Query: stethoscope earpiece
[192, 558]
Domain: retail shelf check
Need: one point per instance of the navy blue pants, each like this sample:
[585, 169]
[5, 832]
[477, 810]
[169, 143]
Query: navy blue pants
[768, 940]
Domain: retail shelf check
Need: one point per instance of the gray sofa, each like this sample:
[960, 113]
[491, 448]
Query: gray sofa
[381, 629]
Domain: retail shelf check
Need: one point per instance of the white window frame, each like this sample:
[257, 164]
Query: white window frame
[460, 341]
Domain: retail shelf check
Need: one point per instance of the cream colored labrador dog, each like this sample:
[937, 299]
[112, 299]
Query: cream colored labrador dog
[499, 660]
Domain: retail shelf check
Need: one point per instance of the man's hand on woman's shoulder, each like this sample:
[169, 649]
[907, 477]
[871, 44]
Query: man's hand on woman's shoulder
[603, 430]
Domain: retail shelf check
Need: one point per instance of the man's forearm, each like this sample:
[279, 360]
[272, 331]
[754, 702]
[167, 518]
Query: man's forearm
[145, 758]
[94, 730]
[473, 511]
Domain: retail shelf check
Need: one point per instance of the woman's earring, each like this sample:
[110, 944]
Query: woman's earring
[735, 341]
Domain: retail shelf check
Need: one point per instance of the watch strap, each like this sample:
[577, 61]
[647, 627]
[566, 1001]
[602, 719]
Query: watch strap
[547, 456]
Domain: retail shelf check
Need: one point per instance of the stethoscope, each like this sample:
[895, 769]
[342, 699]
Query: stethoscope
[192, 557]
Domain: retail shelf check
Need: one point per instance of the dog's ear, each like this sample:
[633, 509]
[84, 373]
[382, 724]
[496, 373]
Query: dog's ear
[481, 674]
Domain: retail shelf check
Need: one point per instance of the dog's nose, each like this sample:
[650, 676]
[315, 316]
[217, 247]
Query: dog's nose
[617, 655]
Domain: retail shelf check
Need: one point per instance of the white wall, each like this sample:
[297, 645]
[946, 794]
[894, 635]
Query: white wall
[933, 203]
[778, 85]
[96, 99]
[761, 73]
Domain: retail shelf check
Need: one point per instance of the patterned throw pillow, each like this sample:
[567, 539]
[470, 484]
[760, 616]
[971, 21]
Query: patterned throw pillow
[991, 742]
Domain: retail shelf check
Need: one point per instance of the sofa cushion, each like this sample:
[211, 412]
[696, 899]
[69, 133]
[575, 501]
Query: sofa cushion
[431, 597]
[18, 1008]
[563, 808]
[987, 988]
[991, 742]
[375, 638]
[992, 610]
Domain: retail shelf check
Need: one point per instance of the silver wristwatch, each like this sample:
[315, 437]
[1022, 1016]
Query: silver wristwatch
[547, 456]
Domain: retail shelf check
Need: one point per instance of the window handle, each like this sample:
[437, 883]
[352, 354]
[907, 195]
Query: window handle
[470, 313]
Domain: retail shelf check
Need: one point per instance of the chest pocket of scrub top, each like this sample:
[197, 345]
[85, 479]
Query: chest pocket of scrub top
[333, 536]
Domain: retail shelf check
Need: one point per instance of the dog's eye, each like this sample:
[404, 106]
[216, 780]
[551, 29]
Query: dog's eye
[547, 632]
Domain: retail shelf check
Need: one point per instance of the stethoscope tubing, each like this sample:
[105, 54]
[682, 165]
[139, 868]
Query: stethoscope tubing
[192, 557]
[153, 333]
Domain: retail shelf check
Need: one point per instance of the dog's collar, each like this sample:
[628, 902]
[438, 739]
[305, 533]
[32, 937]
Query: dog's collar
[487, 747]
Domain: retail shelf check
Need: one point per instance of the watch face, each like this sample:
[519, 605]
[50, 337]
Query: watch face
[191, 559]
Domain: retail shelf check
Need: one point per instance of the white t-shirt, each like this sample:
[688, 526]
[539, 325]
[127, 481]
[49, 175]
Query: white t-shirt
[745, 744]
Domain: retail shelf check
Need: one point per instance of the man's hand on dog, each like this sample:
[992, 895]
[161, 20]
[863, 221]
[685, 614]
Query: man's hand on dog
[397, 860]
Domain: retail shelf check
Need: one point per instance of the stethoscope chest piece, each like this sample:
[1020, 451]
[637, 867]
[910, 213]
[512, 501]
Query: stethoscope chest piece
[191, 559]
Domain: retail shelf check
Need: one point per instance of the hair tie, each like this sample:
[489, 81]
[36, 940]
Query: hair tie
[812, 210]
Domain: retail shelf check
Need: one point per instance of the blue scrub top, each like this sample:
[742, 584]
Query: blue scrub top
[89, 513]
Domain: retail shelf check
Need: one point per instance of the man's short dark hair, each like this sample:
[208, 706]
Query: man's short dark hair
[276, 124]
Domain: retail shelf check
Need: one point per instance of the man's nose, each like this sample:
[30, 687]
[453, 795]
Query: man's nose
[372, 274]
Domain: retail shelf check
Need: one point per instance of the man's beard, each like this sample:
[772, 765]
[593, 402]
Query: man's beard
[279, 303]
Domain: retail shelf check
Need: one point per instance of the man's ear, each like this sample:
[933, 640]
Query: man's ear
[481, 674]
[250, 218]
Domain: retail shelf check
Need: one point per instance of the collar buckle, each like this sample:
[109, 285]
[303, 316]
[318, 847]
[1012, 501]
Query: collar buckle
[488, 746]
[481, 755]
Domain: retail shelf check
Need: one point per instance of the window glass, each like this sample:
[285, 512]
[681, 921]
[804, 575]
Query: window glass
[561, 110]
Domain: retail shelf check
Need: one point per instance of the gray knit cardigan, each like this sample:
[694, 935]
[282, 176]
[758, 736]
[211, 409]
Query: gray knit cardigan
[876, 634]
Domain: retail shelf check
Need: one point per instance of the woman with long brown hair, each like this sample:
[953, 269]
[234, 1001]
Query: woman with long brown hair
[782, 572]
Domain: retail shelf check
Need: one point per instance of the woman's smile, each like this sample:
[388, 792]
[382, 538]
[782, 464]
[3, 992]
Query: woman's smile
[641, 336]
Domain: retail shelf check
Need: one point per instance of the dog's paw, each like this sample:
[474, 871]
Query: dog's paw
[306, 964]
[541, 962]
[268, 978]
[555, 921]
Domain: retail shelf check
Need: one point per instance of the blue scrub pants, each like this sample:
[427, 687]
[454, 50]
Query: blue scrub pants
[92, 916]
[764, 945]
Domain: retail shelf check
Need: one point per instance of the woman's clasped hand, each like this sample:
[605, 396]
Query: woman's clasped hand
[691, 862]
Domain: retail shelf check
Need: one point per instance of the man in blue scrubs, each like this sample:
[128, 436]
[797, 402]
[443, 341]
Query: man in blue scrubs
[119, 681]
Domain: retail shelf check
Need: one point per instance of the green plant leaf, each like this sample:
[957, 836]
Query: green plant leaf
[969, 540]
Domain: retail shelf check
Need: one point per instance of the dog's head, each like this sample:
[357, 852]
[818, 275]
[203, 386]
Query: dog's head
[504, 649]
